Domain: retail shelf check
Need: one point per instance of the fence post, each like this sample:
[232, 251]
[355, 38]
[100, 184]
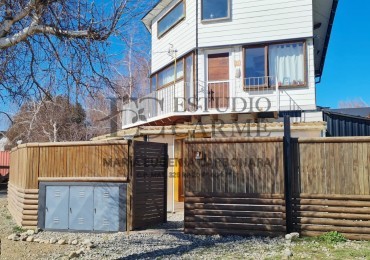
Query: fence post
[288, 174]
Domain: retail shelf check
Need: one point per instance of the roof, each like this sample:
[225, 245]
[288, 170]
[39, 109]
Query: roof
[347, 121]
[323, 33]
[147, 19]
[363, 112]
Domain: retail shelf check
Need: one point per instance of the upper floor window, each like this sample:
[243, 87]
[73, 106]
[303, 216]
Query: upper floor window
[283, 62]
[173, 17]
[167, 76]
[215, 9]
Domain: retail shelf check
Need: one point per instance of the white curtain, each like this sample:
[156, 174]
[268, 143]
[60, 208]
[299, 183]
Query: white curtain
[286, 62]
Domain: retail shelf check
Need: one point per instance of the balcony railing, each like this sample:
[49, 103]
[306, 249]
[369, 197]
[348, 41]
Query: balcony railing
[213, 97]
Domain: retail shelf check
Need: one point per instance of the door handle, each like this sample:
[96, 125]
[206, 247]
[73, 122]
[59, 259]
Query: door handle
[70, 210]
[210, 94]
[46, 209]
[95, 210]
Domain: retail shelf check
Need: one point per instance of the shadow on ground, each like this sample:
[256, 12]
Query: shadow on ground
[179, 249]
[3, 190]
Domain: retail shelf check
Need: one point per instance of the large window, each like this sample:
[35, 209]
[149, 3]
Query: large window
[166, 76]
[189, 79]
[255, 69]
[184, 71]
[172, 18]
[282, 62]
[215, 9]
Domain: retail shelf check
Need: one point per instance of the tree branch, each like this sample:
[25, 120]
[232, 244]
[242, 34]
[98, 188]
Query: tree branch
[7, 24]
[33, 29]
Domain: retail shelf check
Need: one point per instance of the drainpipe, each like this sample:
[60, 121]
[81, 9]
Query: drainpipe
[197, 52]
[173, 178]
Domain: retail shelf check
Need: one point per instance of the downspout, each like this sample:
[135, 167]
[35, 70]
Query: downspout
[197, 52]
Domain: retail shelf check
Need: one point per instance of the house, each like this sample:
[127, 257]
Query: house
[3, 140]
[347, 121]
[231, 68]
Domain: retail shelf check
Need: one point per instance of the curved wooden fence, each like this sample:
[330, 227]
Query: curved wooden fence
[60, 162]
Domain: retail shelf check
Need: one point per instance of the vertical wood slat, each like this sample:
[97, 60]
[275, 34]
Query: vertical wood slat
[328, 168]
[28, 163]
[343, 192]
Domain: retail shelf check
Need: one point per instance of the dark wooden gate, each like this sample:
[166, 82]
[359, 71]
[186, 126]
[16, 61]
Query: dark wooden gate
[148, 185]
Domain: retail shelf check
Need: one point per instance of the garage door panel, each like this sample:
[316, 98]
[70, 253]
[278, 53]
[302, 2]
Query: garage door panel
[81, 207]
[56, 215]
[106, 208]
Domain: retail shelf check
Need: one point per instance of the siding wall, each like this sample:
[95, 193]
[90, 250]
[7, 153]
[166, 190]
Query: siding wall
[182, 36]
[254, 21]
[290, 98]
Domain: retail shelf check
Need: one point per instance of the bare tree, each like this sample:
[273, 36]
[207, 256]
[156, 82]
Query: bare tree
[356, 103]
[48, 120]
[61, 44]
[103, 109]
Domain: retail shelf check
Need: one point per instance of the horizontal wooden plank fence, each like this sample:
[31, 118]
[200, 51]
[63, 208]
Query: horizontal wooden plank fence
[332, 191]
[58, 162]
[236, 186]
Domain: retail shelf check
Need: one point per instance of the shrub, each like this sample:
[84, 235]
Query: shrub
[332, 237]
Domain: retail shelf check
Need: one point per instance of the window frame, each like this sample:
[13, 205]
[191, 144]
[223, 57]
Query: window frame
[160, 35]
[216, 19]
[192, 55]
[266, 46]
[158, 87]
[183, 59]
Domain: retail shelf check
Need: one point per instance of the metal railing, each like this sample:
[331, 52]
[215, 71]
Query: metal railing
[215, 95]
[259, 83]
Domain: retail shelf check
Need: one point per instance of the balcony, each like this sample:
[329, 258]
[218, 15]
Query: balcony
[177, 101]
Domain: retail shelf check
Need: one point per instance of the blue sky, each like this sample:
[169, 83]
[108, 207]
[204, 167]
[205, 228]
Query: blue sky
[346, 74]
[347, 68]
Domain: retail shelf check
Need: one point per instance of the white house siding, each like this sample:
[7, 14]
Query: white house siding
[182, 36]
[294, 98]
[254, 21]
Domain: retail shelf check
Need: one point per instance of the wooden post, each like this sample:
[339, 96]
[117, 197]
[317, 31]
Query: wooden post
[288, 174]
[165, 182]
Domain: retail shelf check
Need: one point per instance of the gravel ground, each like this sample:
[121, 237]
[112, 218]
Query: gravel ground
[168, 242]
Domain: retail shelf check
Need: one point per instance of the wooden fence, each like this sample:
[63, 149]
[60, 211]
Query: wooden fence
[332, 191]
[58, 162]
[236, 186]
